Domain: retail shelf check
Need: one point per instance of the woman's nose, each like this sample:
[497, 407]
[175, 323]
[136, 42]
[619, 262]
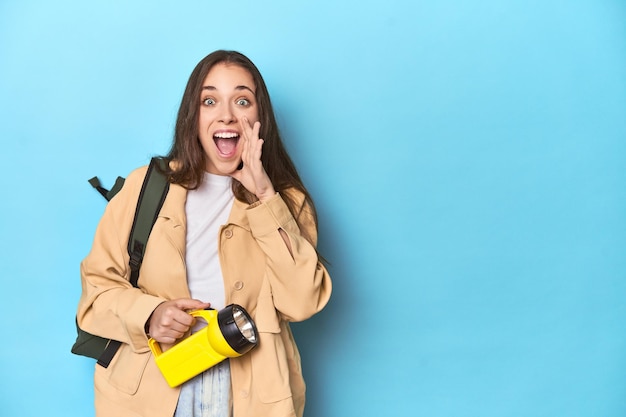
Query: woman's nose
[227, 114]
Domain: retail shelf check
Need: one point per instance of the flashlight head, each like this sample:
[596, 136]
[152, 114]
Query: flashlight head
[237, 328]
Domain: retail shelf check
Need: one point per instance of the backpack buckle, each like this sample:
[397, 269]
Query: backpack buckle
[135, 256]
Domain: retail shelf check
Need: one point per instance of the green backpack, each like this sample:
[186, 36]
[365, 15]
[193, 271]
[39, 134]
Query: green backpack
[153, 192]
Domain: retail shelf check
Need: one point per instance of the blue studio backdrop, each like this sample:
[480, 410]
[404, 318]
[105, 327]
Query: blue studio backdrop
[467, 159]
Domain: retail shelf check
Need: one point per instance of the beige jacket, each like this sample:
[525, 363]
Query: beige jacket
[259, 273]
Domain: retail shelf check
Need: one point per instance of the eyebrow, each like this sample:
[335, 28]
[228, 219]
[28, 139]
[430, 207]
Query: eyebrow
[238, 88]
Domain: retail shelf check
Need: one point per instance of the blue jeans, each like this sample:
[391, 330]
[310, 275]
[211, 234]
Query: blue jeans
[207, 394]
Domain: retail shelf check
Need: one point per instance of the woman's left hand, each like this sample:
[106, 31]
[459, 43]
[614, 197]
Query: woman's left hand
[252, 175]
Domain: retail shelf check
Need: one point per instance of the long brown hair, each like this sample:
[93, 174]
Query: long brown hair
[187, 151]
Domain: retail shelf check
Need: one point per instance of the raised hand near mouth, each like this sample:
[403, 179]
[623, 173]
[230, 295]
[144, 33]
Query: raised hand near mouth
[252, 175]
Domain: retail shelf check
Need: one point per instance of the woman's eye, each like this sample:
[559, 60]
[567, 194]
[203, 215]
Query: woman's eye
[208, 101]
[243, 102]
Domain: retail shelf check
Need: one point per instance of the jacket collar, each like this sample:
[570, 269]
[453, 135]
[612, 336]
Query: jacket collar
[174, 205]
[238, 215]
[174, 209]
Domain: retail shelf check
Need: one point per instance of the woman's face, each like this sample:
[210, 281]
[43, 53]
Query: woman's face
[228, 94]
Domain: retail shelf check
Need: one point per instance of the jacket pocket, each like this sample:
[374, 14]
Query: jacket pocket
[126, 370]
[270, 368]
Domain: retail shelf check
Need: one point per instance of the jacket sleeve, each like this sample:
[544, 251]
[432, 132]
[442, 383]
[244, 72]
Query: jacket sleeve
[300, 284]
[110, 306]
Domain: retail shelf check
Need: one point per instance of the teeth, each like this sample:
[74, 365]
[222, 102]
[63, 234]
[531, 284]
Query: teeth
[226, 135]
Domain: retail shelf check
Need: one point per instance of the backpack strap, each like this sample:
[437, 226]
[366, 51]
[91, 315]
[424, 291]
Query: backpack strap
[153, 192]
[151, 198]
[108, 194]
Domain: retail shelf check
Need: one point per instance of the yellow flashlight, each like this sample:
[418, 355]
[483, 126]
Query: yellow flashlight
[229, 333]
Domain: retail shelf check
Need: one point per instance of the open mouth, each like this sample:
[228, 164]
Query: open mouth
[226, 143]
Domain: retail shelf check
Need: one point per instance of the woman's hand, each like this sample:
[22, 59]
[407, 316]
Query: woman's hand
[170, 320]
[252, 175]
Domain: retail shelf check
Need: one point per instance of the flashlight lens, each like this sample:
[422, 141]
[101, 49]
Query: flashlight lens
[244, 325]
[237, 328]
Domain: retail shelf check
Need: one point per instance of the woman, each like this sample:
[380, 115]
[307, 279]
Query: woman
[237, 226]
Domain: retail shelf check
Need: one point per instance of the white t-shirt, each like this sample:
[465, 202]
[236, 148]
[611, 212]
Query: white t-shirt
[207, 209]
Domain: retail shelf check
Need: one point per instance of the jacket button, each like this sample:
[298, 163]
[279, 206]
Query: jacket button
[228, 233]
[244, 393]
[238, 285]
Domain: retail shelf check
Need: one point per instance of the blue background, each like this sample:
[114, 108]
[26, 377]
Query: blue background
[467, 159]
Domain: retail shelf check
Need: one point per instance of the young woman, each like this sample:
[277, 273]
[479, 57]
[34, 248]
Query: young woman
[237, 226]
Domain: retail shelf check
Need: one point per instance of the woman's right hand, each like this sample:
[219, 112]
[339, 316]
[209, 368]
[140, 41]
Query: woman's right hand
[170, 320]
